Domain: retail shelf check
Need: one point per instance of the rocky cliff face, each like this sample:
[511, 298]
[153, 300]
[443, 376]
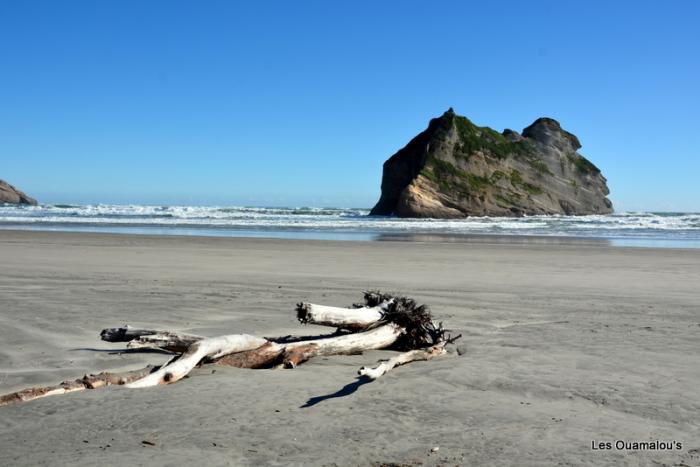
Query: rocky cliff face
[10, 194]
[456, 169]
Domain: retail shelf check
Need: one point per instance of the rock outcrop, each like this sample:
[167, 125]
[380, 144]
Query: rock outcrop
[456, 169]
[10, 194]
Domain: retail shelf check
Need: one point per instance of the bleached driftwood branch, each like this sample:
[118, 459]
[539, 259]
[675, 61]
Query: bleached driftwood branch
[150, 338]
[173, 342]
[292, 354]
[212, 348]
[86, 382]
[353, 319]
[402, 359]
[378, 338]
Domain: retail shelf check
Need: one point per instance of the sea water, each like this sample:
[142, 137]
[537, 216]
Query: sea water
[647, 229]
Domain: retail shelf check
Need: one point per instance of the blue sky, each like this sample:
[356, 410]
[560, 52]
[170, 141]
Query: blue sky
[299, 103]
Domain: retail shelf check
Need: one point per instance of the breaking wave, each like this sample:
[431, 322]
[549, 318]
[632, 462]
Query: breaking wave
[234, 220]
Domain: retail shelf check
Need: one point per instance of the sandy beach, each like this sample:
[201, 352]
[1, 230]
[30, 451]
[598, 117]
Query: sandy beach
[564, 345]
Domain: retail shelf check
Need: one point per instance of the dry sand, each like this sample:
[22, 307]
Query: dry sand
[563, 345]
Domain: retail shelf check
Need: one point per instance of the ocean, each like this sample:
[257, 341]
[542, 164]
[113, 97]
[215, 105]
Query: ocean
[641, 229]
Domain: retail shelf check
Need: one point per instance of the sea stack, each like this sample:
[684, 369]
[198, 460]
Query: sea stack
[457, 169]
[11, 195]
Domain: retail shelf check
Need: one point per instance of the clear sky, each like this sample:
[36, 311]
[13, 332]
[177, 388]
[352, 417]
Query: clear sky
[299, 103]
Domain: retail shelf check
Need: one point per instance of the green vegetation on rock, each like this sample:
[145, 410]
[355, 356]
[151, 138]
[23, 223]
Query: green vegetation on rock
[539, 166]
[496, 176]
[582, 164]
[449, 177]
[484, 139]
[517, 181]
[509, 199]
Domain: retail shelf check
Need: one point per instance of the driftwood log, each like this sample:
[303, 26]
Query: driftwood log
[381, 322]
[148, 338]
[86, 382]
[402, 359]
[209, 348]
[290, 355]
[353, 319]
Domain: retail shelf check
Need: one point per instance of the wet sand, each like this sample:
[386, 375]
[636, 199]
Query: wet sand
[564, 345]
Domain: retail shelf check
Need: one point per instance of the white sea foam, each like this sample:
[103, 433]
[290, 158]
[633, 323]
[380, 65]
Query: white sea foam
[663, 226]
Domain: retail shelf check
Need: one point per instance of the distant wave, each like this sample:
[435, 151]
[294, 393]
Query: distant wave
[185, 212]
[650, 225]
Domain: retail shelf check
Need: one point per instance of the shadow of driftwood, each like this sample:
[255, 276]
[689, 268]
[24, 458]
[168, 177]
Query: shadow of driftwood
[344, 391]
[120, 351]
